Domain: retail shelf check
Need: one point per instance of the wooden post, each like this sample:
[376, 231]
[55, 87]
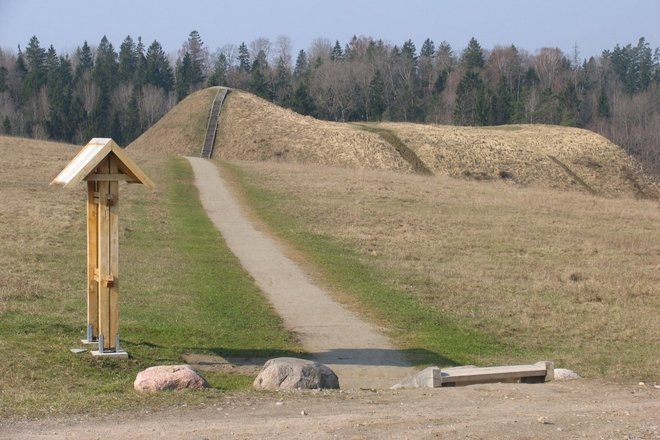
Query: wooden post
[103, 164]
[92, 262]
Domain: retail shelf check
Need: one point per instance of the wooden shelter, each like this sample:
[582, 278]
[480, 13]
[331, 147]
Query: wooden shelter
[102, 164]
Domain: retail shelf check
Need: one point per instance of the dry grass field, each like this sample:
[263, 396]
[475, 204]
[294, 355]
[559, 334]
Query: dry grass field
[35, 220]
[557, 275]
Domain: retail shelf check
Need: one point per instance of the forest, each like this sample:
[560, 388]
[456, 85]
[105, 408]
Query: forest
[100, 91]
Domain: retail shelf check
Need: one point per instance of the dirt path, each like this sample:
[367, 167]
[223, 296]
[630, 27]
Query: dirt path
[556, 410]
[361, 356]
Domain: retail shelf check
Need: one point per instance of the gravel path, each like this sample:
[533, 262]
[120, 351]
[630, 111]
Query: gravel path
[361, 356]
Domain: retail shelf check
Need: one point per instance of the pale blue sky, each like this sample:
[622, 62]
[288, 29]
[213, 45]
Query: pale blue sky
[594, 25]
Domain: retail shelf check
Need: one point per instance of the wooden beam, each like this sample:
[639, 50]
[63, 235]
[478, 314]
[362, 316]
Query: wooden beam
[113, 272]
[104, 259]
[92, 259]
[111, 178]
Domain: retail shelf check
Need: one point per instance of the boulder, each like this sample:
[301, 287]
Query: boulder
[169, 377]
[292, 373]
[565, 374]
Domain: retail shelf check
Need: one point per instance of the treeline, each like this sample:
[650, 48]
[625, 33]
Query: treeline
[98, 91]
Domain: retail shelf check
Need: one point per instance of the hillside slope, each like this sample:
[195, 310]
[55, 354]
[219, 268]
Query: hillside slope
[181, 130]
[537, 155]
[254, 129]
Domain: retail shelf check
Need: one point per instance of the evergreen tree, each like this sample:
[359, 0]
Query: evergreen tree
[62, 122]
[6, 125]
[282, 92]
[243, 58]
[106, 69]
[428, 49]
[501, 104]
[603, 104]
[303, 102]
[198, 55]
[85, 61]
[184, 74]
[132, 124]
[128, 60]
[158, 71]
[139, 77]
[473, 55]
[376, 101]
[35, 78]
[258, 83]
[570, 105]
[4, 74]
[336, 54]
[471, 108]
[301, 68]
[220, 69]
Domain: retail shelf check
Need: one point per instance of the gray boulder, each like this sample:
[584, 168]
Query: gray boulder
[565, 374]
[292, 373]
[169, 377]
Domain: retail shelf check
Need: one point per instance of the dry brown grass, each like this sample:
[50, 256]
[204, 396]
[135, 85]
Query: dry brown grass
[568, 275]
[182, 129]
[254, 129]
[524, 154]
[35, 218]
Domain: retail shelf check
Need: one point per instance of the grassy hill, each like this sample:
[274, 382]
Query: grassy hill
[527, 155]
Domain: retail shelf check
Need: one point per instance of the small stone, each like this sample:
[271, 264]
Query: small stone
[303, 413]
[565, 374]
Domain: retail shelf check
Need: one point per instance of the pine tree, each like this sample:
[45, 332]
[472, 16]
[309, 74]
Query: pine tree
[303, 103]
[85, 61]
[603, 104]
[106, 69]
[336, 54]
[301, 68]
[243, 58]
[4, 74]
[470, 108]
[35, 58]
[220, 69]
[258, 83]
[183, 76]
[376, 100]
[132, 124]
[6, 125]
[158, 71]
[128, 60]
[428, 49]
[473, 55]
[282, 92]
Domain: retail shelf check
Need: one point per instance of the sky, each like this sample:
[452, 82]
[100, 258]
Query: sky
[591, 25]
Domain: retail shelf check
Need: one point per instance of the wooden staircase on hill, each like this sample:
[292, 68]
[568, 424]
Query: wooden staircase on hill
[214, 119]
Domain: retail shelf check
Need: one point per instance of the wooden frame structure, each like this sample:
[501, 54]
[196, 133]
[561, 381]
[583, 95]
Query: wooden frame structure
[102, 164]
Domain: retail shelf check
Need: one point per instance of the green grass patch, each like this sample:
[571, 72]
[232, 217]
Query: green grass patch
[182, 292]
[424, 334]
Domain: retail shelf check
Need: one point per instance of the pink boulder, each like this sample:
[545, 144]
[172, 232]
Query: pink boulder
[169, 377]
